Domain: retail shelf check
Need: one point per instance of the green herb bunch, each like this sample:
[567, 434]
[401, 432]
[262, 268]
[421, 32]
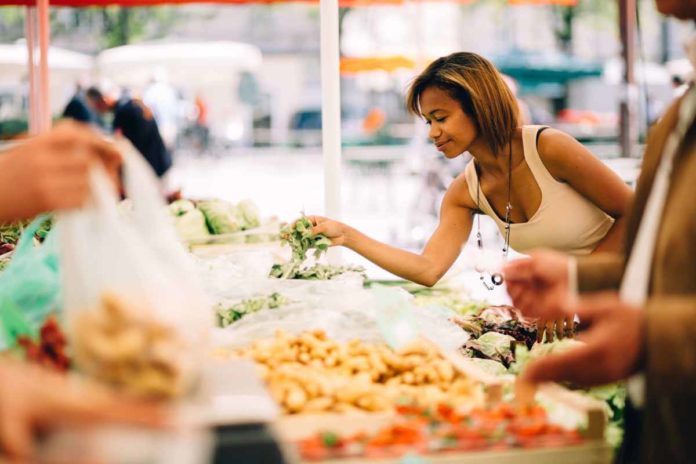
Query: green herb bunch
[300, 238]
[229, 314]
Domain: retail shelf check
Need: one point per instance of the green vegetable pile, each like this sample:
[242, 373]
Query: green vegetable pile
[10, 233]
[228, 315]
[315, 272]
[202, 219]
[300, 238]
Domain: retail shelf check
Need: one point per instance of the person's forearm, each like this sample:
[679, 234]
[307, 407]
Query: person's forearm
[410, 266]
[613, 241]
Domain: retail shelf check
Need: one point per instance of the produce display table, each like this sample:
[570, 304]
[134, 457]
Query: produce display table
[593, 453]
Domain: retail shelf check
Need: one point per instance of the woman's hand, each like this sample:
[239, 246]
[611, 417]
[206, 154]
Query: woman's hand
[334, 230]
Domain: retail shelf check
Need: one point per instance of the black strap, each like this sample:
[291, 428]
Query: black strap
[538, 134]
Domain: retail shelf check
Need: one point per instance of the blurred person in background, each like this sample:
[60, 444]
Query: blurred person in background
[133, 119]
[162, 100]
[201, 123]
[51, 173]
[78, 109]
[541, 186]
[643, 324]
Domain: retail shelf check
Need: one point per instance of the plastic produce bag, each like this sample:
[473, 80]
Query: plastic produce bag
[29, 286]
[344, 315]
[137, 318]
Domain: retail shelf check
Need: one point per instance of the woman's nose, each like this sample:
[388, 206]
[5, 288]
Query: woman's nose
[434, 132]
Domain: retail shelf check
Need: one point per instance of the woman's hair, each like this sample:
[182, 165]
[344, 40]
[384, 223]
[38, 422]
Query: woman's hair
[479, 88]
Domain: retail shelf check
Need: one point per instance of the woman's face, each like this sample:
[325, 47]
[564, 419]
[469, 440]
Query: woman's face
[451, 130]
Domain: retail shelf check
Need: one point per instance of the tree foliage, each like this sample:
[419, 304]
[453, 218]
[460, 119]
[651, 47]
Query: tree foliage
[103, 27]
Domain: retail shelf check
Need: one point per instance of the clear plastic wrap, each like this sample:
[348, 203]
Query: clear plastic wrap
[137, 317]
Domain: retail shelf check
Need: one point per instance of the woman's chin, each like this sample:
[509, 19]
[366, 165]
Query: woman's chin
[451, 154]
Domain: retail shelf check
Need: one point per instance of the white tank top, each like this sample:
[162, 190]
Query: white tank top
[565, 221]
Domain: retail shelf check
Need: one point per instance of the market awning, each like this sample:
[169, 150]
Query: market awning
[386, 63]
[342, 3]
[545, 73]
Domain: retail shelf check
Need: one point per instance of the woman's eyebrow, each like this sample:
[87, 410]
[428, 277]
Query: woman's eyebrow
[432, 113]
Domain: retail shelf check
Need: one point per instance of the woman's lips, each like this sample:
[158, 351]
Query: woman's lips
[441, 146]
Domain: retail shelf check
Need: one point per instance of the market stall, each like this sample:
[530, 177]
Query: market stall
[309, 357]
[333, 367]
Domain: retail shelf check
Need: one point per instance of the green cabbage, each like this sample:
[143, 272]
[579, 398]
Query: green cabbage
[181, 207]
[220, 216]
[247, 214]
[191, 225]
[489, 366]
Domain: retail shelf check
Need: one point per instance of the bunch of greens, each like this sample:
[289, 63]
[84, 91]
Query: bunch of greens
[10, 233]
[495, 331]
[291, 270]
[229, 314]
[500, 319]
[300, 238]
[492, 346]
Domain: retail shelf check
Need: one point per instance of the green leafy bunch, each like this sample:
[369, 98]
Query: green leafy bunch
[229, 314]
[318, 271]
[11, 232]
[300, 238]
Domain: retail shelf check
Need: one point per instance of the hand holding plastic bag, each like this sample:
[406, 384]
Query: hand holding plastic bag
[136, 315]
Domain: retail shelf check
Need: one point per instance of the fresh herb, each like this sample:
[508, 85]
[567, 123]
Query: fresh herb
[228, 315]
[300, 238]
[292, 270]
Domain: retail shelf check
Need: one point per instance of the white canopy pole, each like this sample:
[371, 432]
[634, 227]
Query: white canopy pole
[331, 112]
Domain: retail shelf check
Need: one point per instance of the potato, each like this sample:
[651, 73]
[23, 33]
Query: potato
[296, 399]
[320, 404]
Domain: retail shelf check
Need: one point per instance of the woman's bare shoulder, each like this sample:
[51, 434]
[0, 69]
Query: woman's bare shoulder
[458, 192]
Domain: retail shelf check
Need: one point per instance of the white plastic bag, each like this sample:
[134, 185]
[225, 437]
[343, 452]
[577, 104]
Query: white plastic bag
[137, 316]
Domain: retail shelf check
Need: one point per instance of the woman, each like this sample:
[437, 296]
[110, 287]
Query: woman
[538, 183]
